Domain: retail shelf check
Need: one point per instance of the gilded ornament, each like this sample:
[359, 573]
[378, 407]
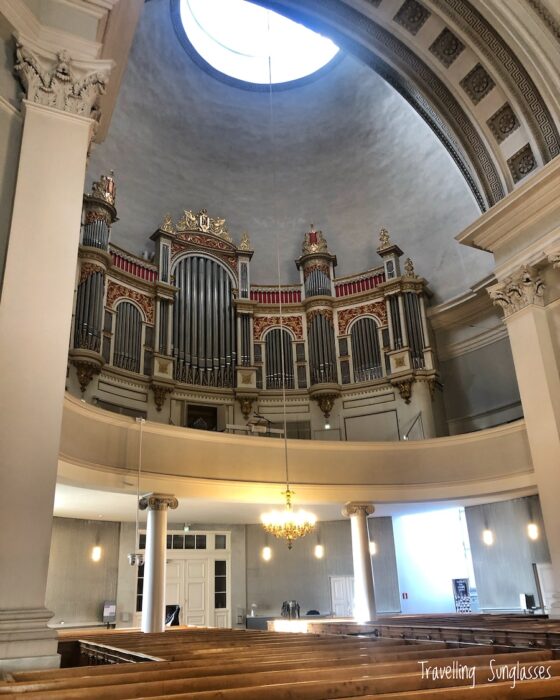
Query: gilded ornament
[167, 224]
[314, 242]
[384, 239]
[409, 268]
[245, 243]
[105, 189]
[160, 394]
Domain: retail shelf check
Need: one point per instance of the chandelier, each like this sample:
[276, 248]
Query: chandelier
[288, 524]
[284, 524]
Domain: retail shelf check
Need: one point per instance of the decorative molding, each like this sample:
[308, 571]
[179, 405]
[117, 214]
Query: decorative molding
[87, 269]
[326, 402]
[246, 404]
[160, 394]
[404, 387]
[325, 313]
[86, 371]
[503, 122]
[447, 47]
[412, 16]
[477, 83]
[522, 163]
[416, 83]
[346, 316]
[118, 291]
[547, 18]
[158, 501]
[510, 69]
[518, 291]
[449, 351]
[263, 323]
[59, 82]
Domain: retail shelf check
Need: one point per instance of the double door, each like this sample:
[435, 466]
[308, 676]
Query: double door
[195, 584]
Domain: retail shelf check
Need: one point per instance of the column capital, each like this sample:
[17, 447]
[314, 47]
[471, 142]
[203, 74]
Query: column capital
[58, 81]
[158, 501]
[522, 288]
[357, 507]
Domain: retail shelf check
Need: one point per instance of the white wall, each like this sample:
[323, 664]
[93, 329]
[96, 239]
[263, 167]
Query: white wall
[430, 553]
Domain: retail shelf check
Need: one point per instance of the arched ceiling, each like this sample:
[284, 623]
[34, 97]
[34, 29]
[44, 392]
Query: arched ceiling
[345, 151]
[484, 93]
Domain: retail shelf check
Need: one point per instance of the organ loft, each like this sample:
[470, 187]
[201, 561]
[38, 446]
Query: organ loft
[188, 339]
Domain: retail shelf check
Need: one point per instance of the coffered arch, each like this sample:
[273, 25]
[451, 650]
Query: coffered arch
[446, 59]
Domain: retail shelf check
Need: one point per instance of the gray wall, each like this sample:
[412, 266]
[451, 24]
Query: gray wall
[297, 575]
[76, 585]
[480, 388]
[504, 569]
[348, 154]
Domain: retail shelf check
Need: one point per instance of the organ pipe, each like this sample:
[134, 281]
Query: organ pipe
[128, 337]
[322, 350]
[204, 324]
[89, 312]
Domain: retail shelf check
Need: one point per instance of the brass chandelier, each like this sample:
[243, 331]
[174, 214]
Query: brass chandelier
[284, 524]
[288, 524]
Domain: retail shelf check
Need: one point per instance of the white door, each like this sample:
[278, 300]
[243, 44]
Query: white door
[174, 583]
[342, 595]
[196, 592]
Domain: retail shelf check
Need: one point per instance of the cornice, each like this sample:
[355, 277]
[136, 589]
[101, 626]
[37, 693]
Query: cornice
[464, 308]
[519, 228]
[449, 351]
[23, 21]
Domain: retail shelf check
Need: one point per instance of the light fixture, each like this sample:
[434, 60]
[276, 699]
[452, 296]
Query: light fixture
[372, 548]
[288, 524]
[284, 524]
[96, 553]
[327, 425]
[533, 531]
[266, 553]
[319, 551]
[488, 537]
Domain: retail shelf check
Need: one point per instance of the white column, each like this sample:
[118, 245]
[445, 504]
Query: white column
[364, 595]
[35, 319]
[536, 368]
[153, 599]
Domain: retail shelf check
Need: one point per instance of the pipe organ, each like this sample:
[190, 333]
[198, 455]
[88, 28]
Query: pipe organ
[204, 333]
[192, 321]
[279, 359]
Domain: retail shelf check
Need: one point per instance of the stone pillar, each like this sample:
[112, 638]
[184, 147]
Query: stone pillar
[536, 367]
[153, 600]
[364, 595]
[35, 317]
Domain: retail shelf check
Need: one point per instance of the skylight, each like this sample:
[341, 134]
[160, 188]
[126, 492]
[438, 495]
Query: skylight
[251, 43]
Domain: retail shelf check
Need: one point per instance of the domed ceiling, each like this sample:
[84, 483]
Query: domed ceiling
[344, 151]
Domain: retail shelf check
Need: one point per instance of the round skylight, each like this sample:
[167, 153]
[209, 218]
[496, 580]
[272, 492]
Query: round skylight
[251, 43]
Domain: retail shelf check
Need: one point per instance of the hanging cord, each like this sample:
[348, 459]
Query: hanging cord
[280, 306]
[136, 542]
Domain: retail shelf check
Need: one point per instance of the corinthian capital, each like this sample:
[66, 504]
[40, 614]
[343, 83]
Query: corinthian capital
[55, 80]
[158, 501]
[517, 291]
